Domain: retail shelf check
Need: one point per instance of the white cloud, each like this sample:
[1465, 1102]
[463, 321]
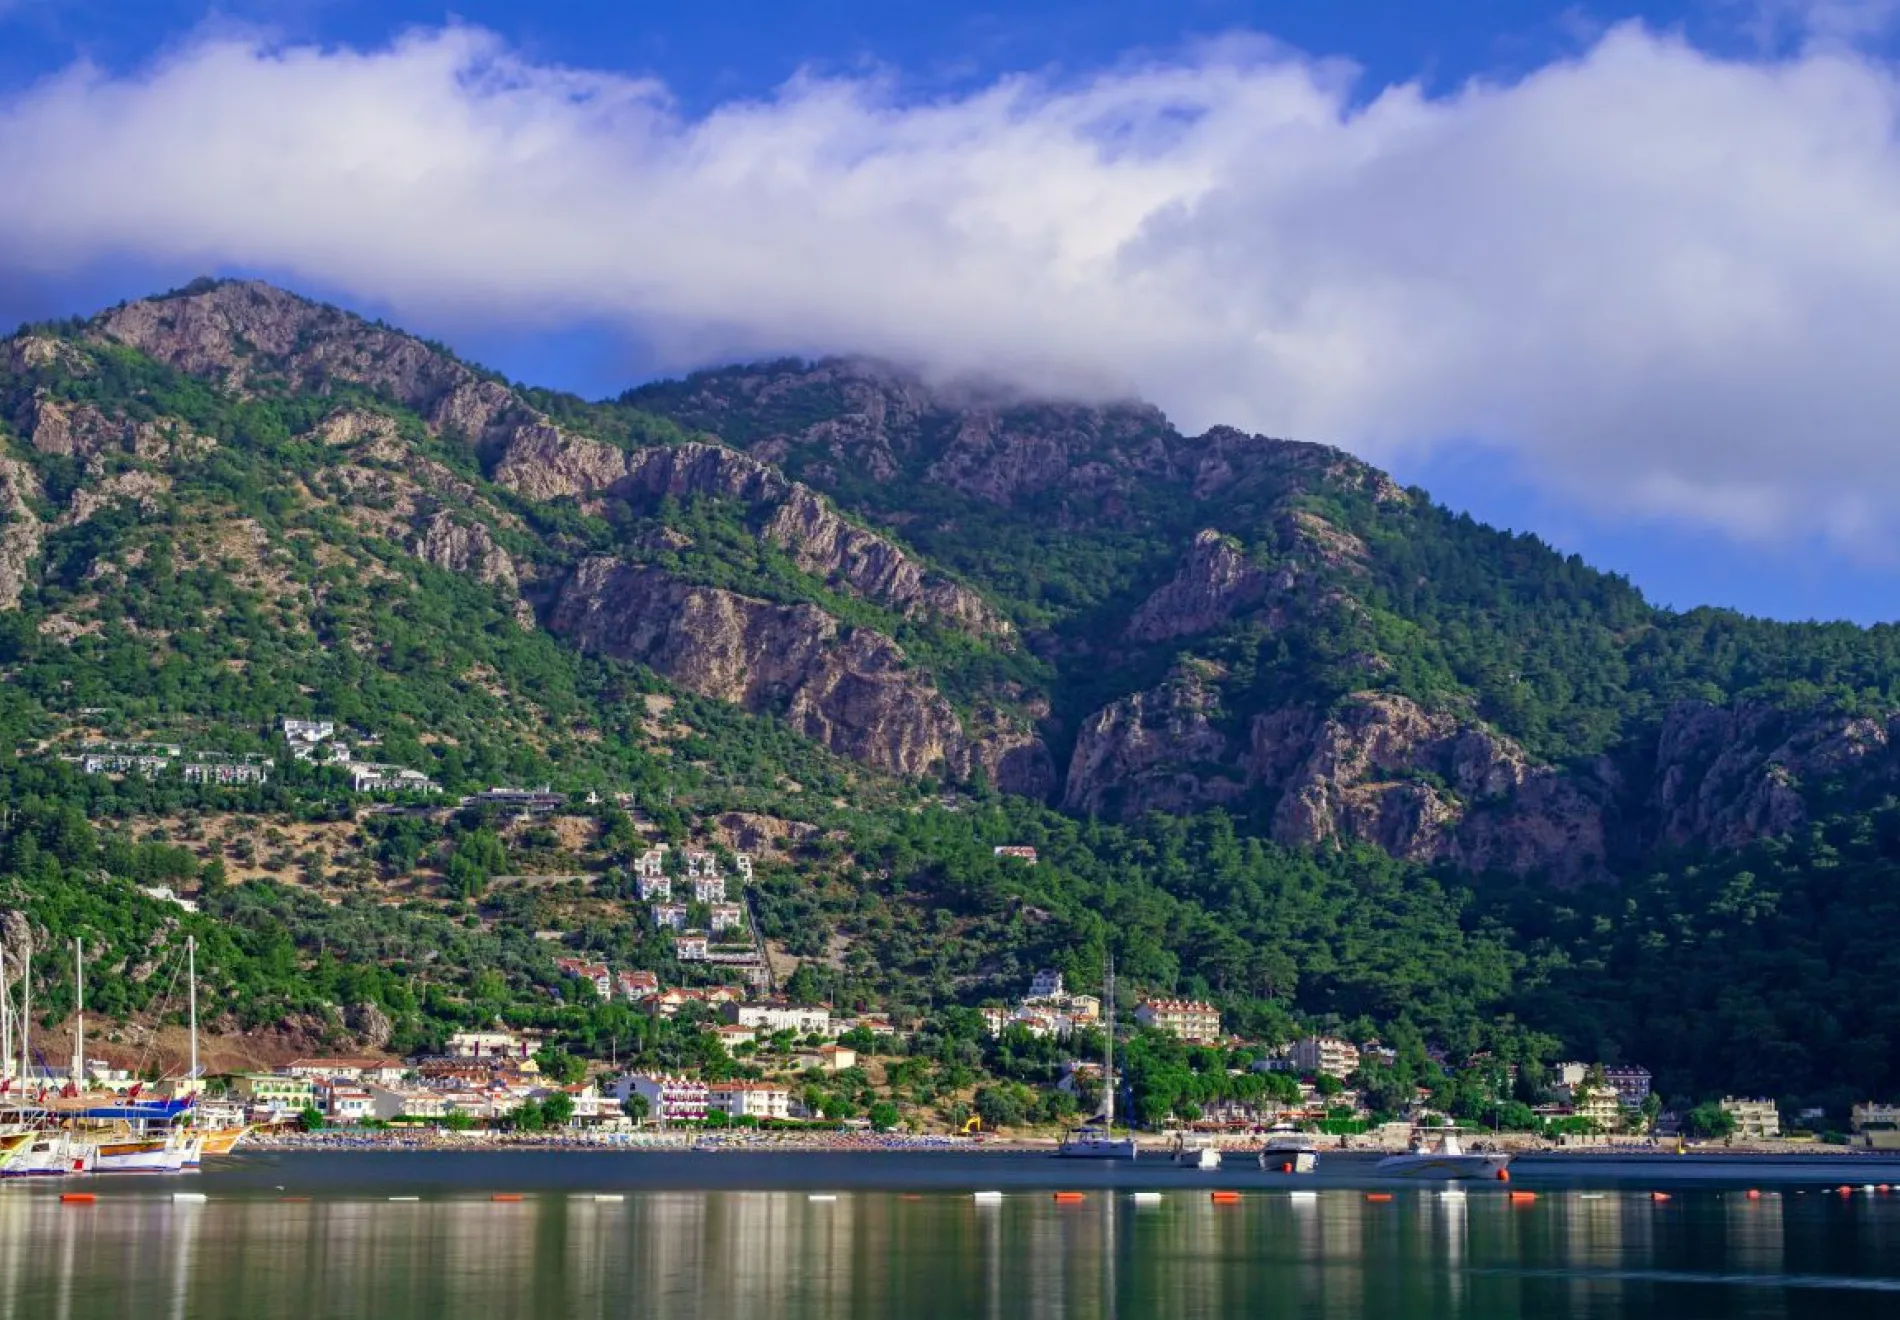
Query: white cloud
[1668, 283]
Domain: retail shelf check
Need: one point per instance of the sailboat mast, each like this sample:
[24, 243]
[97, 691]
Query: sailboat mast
[1108, 1047]
[191, 980]
[26, 1016]
[6, 1016]
[79, 1034]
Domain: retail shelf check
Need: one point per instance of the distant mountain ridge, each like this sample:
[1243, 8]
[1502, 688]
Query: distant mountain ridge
[1073, 603]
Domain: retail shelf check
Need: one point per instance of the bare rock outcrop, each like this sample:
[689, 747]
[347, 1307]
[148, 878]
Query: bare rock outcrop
[1424, 785]
[1728, 775]
[467, 548]
[132, 487]
[544, 463]
[1158, 750]
[848, 690]
[1215, 582]
[21, 533]
[234, 331]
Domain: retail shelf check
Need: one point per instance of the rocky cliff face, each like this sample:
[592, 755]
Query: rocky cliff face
[1215, 582]
[847, 689]
[1158, 750]
[543, 463]
[235, 331]
[1423, 785]
[1728, 775]
[851, 417]
[21, 532]
[1380, 770]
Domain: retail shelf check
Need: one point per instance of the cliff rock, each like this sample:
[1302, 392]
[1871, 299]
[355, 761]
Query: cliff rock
[1215, 582]
[22, 532]
[1157, 750]
[544, 463]
[1728, 775]
[848, 690]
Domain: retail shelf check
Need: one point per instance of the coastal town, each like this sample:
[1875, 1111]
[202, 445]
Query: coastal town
[746, 1044]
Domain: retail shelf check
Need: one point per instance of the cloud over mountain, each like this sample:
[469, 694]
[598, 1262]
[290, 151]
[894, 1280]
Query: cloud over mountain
[1666, 282]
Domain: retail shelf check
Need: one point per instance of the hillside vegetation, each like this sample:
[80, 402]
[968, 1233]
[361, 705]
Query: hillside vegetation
[1285, 734]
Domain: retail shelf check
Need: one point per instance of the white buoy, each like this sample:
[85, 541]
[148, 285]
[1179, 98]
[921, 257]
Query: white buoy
[1304, 1198]
[1147, 1198]
[604, 1197]
[988, 1196]
[1452, 1194]
[1593, 1196]
[405, 1198]
[189, 1198]
[821, 1196]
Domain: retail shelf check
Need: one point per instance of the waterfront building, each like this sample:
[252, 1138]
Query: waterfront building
[1870, 1117]
[276, 1091]
[760, 1100]
[1755, 1120]
[669, 1099]
[1633, 1084]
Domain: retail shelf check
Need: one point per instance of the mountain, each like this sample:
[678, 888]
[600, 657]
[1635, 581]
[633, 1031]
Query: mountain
[1258, 704]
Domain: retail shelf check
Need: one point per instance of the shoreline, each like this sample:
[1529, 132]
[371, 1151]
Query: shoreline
[867, 1143]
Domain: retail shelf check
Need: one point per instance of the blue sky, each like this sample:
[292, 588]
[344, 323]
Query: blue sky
[1532, 256]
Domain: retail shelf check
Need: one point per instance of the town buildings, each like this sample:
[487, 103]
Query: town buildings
[771, 1016]
[595, 974]
[1632, 1083]
[1017, 851]
[727, 916]
[669, 1099]
[489, 1045]
[1755, 1120]
[1324, 1054]
[755, 1100]
[669, 916]
[1190, 1019]
[691, 946]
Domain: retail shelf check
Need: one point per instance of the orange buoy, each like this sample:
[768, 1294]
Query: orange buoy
[1847, 1191]
[1523, 1198]
[506, 1196]
[1224, 1198]
[1378, 1196]
[1753, 1195]
[1884, 1187]
[77, 1198]
[1659, 1196]
[1504, 1175]
[1068, 1197]
[1286, 1166]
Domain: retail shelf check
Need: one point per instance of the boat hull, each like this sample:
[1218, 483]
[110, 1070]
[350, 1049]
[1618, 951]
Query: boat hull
[142, 1157]
[1442, 1168]
[55, 1156]
[222, 1141]
[1097, 1148]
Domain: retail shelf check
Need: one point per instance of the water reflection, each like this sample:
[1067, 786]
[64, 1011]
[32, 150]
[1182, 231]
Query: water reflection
[676, 1255]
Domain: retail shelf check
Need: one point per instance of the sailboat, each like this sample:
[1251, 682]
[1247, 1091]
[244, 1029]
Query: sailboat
[34, 1146]
[147, 1137]
[1096, 1139]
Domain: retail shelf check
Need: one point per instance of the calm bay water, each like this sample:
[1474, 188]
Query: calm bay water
[739, 1236]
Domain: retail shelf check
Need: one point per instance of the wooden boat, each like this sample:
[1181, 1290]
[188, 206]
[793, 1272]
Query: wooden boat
[223, 1140]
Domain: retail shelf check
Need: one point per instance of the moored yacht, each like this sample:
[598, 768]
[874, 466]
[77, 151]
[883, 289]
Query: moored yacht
[1096, 1139]
[1444, 1159]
